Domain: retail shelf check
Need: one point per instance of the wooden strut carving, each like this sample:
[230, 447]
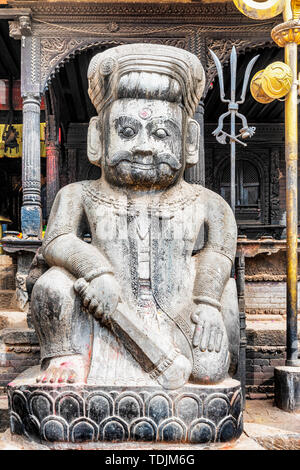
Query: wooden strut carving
[66, 29]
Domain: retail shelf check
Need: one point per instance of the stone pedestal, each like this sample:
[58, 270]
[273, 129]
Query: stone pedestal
[91, 413]
[287, 388]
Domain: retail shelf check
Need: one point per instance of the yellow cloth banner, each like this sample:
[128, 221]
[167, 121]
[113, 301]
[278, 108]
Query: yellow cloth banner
[16, 151]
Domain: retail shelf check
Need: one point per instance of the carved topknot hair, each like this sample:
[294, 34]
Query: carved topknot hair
[148, 71]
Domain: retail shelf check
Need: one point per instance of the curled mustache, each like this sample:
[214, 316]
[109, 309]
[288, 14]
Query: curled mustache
[158, 158]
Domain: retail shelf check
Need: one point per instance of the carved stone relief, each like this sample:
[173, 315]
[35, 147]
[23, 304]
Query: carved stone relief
[91, 415]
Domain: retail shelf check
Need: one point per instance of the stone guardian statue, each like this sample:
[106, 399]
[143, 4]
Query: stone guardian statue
[148, 307]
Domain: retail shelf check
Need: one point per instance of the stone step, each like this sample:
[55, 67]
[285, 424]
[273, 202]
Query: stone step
[7, 299]
[267, 331]
[18, 336]
[10, 318]
[7, 272]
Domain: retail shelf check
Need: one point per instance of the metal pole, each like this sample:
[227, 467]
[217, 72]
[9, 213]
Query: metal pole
[233, 67]
[240, 283]
[232, 163]
[1, 235]
[291, 156]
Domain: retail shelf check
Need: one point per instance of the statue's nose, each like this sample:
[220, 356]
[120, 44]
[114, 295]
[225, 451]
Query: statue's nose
[142, 146]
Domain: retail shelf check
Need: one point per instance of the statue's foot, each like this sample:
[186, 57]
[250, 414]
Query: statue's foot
[64, 369]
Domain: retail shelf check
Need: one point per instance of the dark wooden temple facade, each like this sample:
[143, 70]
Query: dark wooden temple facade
[49, 46]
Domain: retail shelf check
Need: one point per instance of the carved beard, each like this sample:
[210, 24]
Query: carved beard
[156, 171]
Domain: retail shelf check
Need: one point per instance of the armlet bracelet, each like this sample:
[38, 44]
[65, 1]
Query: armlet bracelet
[96, 273]
[207, 300]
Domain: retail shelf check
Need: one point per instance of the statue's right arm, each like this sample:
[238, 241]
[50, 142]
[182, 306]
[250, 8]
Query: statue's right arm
[62, 245]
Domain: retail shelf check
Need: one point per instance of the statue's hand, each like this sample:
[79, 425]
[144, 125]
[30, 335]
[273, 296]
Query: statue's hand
[100, 296]
[209, 329]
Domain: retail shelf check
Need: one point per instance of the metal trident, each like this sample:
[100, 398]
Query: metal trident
[233, 107]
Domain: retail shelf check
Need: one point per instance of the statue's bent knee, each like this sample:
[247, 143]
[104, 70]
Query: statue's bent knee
[57, 314]
[54, 289]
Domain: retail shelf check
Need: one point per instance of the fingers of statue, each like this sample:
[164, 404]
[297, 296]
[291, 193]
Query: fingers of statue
[99, 311]
[93, 305]
[195, 317]
[209, 328]
[197, 334]
[212, 337]
[208, 336]
[205, 335]
[101, 297]
[80, 286]
[218, 342]
[86, 300]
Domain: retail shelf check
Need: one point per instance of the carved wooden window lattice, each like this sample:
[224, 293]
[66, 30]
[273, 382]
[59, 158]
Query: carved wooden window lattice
[247, 187]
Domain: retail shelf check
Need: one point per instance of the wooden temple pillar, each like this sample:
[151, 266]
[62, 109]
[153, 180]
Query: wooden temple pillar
[52, 153]
[31, 168]
[52, 148]
[31, 214]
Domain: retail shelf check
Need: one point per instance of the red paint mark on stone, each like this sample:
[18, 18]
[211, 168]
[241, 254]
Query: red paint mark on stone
[145, 113]
[66, 364]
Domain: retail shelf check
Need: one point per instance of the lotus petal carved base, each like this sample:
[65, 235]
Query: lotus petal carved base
[91, 413]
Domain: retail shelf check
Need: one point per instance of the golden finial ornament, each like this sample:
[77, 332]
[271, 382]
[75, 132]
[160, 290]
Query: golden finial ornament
[257, 91]
[277, 80]
[260, 10]
[274, 82]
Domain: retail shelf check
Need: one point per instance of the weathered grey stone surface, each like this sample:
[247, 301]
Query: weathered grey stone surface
[287, 388]
[9, 441]
[135, 308]
[18, 336]
[271, 438]
[76, 413]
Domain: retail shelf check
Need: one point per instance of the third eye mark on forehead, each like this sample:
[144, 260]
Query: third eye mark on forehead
[123, 121]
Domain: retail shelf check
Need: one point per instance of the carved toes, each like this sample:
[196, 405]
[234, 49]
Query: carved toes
[57, 375]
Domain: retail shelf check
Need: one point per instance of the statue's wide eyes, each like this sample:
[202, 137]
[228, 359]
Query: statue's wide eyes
[160, 133]
[127, 132]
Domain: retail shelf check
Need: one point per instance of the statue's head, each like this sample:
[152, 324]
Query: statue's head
[145, 96]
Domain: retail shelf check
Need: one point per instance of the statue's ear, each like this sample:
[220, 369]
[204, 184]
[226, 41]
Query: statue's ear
[192, 142]
[94, 141]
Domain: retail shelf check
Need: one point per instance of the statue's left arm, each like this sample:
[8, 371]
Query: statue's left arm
[213, 267]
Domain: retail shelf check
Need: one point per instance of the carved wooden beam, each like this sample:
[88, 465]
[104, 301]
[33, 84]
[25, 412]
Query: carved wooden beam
[14, 13]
